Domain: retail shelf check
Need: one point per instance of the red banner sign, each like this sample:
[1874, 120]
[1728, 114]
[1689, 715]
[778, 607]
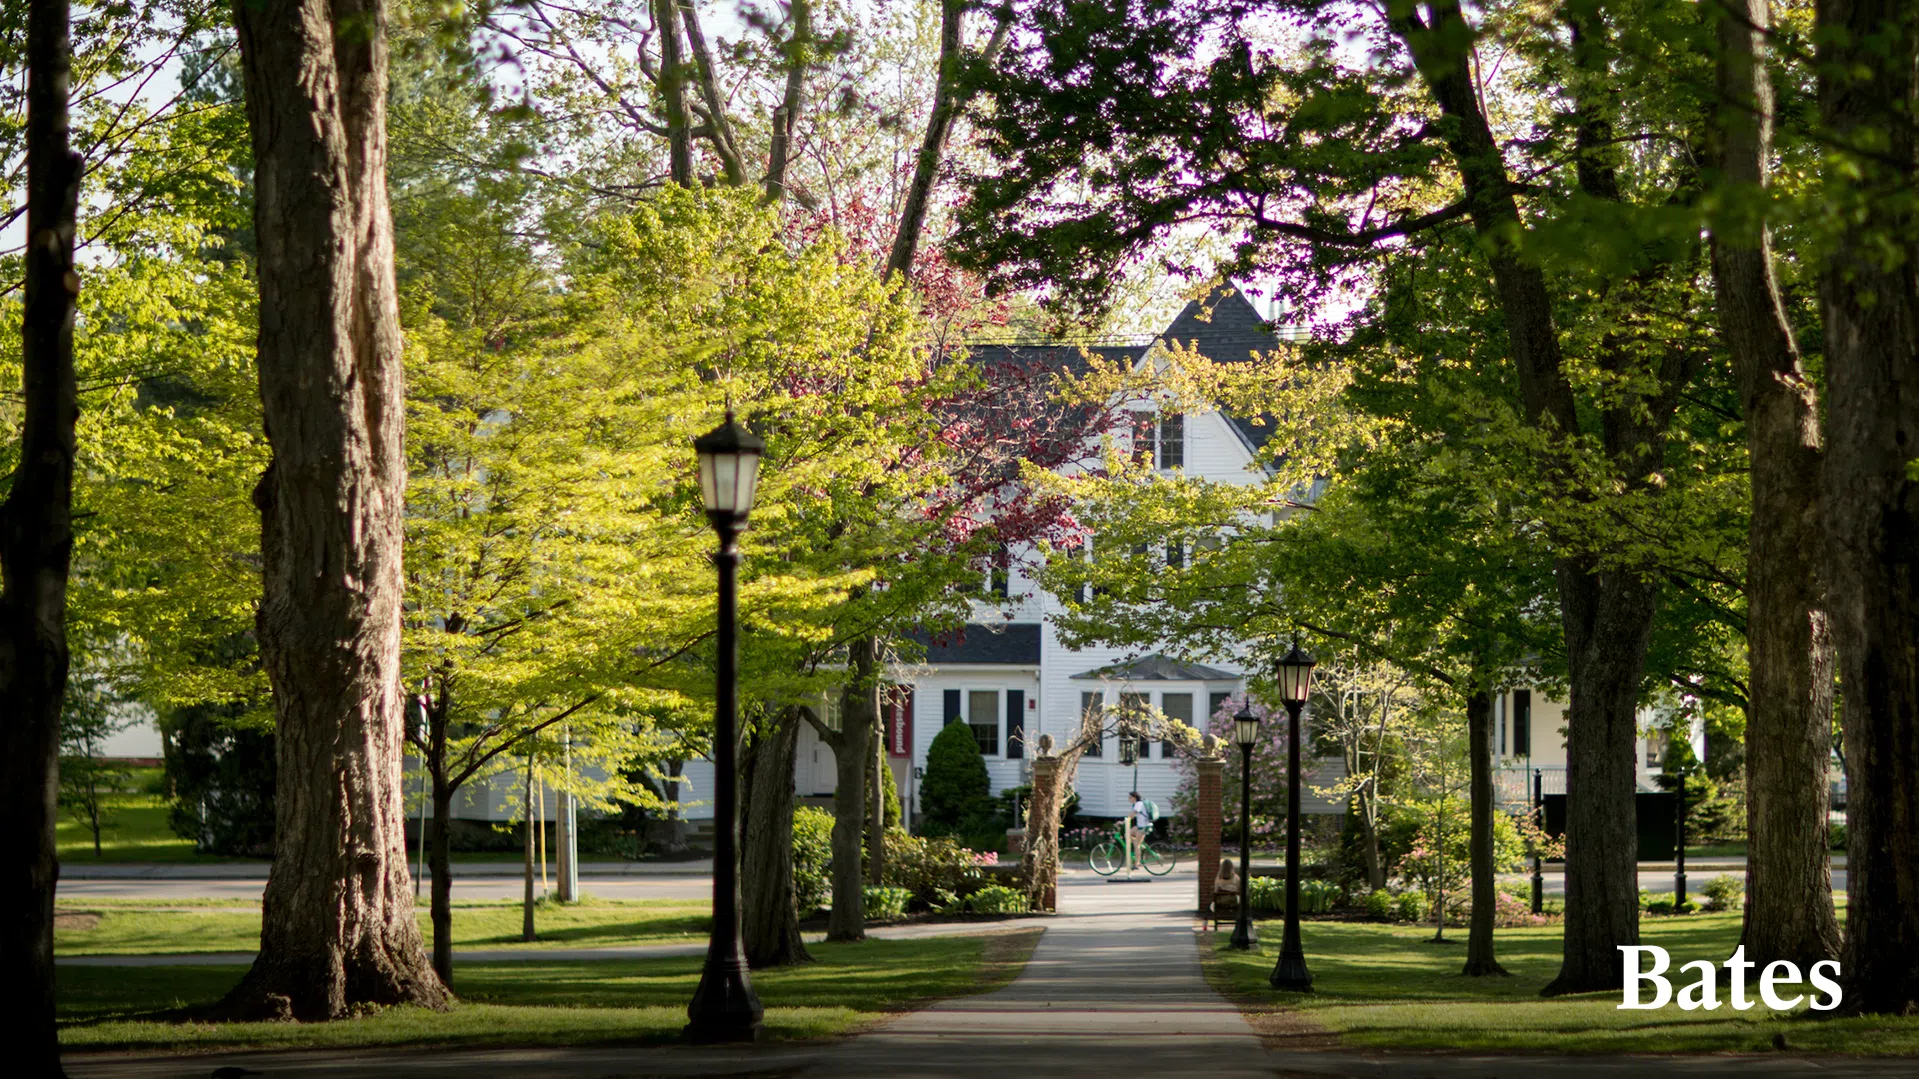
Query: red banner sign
[898, 711]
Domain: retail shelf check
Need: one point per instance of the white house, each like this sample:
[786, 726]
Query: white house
[1009, 678]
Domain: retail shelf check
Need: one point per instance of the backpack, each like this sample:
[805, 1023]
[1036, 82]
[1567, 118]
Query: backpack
[1152, 808]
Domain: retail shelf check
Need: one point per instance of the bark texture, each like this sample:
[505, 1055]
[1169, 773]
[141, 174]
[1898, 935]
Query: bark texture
[36, 546]
[769, 920]
[1869, 295]
[1607, 616]
[1789, 909]
[852, 756]
[672, 83]
[1480, 958]
[337, 925]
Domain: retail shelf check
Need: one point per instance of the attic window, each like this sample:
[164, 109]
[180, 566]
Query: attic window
[1162, 436]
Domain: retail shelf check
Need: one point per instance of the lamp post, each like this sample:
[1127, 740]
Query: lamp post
[1245, 732]
[1295, 682]
[724, 1007]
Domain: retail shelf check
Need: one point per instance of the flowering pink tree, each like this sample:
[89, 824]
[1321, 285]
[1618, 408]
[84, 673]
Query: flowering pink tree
[1269, 774]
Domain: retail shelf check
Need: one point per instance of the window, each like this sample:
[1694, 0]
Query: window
[1160, 436]
[1133, 710]
[1144, 425]
[982, 714]
[1172, 440]
[1175, 554]
[1178, 707]
[1655, 752]
[1522, 722]
[1214, 702]
[1091, 705]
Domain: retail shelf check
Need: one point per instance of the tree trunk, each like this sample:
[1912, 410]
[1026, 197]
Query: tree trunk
[440, 865]
[847, 920]
[526, 902]
[1867, 55]
[679, 133]
[36, 546]
[1607, 616]
[1480, 959]
[876, 812]
[769, 921]
[1789, 910]
[337, 921]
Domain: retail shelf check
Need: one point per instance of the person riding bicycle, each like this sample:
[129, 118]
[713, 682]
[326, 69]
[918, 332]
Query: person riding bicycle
[1139, 821]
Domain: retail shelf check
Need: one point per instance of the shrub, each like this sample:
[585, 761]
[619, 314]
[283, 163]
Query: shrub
[1265, 893]
[928, 865]
[1409, 907]
[997, 899]
[812, 858]
[1723, 892]
[1317, 896]
[1379, 905]
[882, 903]
[1836, 835]
[955, 791]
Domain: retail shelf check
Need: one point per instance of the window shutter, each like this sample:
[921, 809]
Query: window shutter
[1015, 724]
[950, 708]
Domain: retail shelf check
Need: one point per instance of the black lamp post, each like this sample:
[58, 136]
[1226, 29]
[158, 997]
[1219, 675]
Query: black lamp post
[724, 1007]
[1295, 682]
[1246, 733]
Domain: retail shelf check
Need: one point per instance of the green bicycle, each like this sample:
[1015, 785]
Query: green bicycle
[1110, 856]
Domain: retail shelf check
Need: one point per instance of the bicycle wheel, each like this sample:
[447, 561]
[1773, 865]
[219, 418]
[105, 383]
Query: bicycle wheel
[1154, 862]
[1105, 859]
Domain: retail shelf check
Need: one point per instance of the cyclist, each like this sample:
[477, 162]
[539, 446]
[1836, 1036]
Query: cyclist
[1138, 822]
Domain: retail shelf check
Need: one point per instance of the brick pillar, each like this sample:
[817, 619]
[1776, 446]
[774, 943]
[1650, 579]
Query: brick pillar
[1209, 816]
[1041, 858]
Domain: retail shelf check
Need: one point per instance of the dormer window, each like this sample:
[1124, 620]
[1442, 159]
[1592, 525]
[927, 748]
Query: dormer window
[1160, 436]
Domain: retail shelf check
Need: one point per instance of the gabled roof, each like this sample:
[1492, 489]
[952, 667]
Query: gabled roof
[1158, 668]
[1224, 328]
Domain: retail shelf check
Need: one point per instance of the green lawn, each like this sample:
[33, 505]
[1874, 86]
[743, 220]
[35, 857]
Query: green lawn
[549, 1002]
[168, 927]
[137, 832]
[1385, 986]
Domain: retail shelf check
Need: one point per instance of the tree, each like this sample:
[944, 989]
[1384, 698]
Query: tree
[548, 576]
[337, 926]
[956, 789]
[1789, 910]
[36, 543]
[87, 778]
[1351, 161]
[1869, 297]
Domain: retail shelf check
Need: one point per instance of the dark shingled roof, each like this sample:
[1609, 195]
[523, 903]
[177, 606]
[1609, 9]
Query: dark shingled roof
[1016, 642]
[1224, 328]
[1159, 668]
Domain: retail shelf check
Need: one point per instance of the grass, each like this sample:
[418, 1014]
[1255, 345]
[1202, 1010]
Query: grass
[171, 927]
[1385, 986]
[576, 1002]
[136, 831]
